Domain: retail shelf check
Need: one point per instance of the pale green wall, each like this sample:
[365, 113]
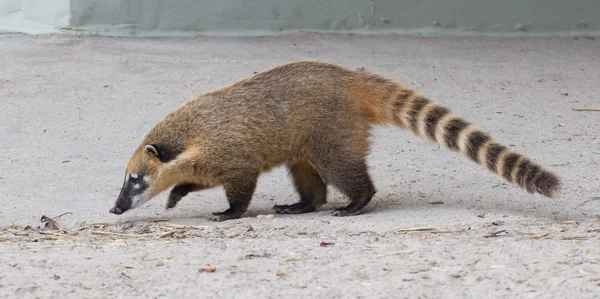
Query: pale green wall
[34, 16]
[167, 17]
[273, 15]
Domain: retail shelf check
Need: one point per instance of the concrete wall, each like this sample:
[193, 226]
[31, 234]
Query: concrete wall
[168, 17]
[34, 16]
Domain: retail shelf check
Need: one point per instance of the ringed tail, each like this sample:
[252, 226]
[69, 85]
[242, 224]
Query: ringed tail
[392, 102]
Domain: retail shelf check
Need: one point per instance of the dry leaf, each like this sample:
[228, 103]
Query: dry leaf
[326, 244]
[49, 224]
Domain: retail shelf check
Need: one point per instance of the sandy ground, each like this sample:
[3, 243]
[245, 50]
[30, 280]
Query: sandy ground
[72, 110]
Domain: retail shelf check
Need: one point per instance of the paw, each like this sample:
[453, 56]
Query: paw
[172, 202]
[216, 217]
[282, 209]
[297, 208]
[222, 216]
[343, 212]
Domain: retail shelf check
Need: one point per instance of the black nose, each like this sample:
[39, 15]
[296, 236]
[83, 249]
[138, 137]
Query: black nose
[116, 210]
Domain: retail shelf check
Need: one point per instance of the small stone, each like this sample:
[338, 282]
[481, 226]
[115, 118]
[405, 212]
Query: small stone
[207, 268]
[298, 286]
[232, 234]
[268, 216]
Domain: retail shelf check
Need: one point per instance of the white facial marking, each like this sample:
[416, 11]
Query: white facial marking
[134, 175]
[147, 178]
[139, 199]
[136, 201]
[136, 186]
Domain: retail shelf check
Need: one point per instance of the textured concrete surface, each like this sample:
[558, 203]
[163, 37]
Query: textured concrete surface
[73, 109]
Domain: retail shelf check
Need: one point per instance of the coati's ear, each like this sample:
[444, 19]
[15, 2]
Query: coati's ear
[162, 152]
[151, 149]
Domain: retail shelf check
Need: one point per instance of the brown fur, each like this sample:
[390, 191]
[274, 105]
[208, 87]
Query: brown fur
[315, 118]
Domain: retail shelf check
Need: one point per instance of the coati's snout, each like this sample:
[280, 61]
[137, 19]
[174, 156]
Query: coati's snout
[133, 193]
[136, 186]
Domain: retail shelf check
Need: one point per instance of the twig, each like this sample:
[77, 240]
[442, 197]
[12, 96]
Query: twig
[100, 224]
[395, 253]
[587, 109]
[180, 226]
[495, 234]
[124, 266]
[158, 220]
[419, 229]
[591, 199]
[570, 238]
[158, 259]
[119, 234]
[540, 236]
[51, 233]
[171, 242]
[63, 214]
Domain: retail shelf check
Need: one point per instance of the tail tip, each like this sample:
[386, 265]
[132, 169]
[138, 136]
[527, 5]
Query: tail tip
[548, 184]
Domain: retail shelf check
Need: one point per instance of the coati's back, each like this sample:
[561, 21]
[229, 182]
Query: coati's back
[313, 117]
[270, 118]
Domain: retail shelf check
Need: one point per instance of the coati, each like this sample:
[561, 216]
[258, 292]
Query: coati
[313, 117]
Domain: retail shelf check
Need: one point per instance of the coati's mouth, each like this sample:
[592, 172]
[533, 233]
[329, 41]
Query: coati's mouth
[121, 205]
[132, 194]
[117, 210]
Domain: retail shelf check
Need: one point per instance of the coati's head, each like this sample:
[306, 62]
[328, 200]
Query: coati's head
[150, 171]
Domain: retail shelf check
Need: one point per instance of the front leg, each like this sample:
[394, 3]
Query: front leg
[239, 194]
[180, 191]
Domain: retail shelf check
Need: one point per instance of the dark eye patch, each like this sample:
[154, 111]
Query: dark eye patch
[135, 180]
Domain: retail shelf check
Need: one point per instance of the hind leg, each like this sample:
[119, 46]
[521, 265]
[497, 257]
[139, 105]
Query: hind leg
[310, 186]
[239, 193]
[352, 178]
[342, 164]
